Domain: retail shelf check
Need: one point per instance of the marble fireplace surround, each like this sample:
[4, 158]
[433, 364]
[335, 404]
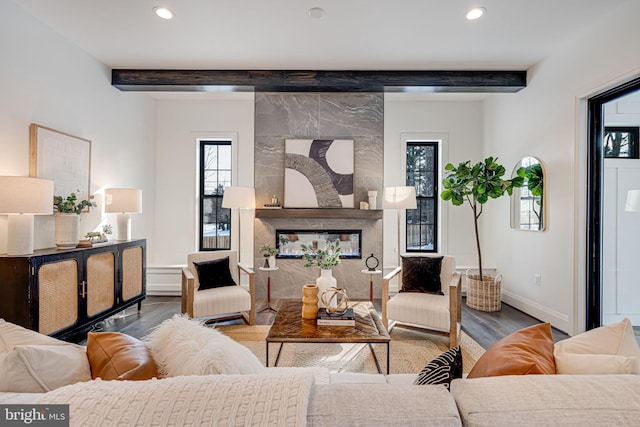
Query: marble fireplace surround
[280, 116]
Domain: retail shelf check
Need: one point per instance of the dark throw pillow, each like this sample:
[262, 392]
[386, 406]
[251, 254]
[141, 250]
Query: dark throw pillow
[214, 274]
[421, 274]
[442, 370]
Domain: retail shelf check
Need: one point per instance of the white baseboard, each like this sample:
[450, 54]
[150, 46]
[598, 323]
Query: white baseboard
[167, 280]
[164, 280]
[558, 320]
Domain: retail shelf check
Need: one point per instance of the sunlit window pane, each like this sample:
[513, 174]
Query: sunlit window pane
[215, 175]
[422, 160]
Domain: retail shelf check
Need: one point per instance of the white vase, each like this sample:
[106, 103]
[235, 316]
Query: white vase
[67, 229]
[324, 282]
[272, 261]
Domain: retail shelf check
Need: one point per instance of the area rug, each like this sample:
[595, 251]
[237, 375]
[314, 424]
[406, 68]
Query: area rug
[411, 349]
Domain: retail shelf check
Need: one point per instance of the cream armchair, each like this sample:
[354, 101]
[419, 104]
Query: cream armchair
[440, 313]
[225, 302]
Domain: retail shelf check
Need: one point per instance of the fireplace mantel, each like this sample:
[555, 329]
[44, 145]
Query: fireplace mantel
[370, 214]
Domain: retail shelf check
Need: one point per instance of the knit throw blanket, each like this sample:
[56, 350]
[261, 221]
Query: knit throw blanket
[211, 400]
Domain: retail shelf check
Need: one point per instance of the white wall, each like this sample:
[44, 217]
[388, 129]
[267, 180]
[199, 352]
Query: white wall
[45, 79]
[179, 123]
[460, 125]
[546, 120]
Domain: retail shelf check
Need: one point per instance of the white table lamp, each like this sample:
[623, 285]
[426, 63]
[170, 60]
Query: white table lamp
[633, 201]
[123, 201]
[239, 198]
[399, 198]
[22, 198]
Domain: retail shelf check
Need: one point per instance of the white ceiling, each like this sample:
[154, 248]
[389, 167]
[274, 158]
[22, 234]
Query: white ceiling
[353, 34]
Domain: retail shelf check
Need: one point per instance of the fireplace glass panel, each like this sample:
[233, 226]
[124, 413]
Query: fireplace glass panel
[289, 242]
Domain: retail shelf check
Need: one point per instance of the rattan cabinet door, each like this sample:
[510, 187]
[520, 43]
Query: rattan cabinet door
[100, 273]
[132, 272]
[57, 295]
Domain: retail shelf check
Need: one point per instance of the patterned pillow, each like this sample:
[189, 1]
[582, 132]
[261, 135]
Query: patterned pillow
[421, 274]
[443, 369]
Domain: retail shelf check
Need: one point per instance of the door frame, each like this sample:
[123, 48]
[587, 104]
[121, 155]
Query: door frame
[595, 167]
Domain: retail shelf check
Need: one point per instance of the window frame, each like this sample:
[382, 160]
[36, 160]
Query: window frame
[202, 144]
[442, 138]
[420, 198]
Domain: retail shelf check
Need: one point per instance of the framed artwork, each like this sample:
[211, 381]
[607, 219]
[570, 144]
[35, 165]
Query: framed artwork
[621, 142]
[318, 173]
[65, 159]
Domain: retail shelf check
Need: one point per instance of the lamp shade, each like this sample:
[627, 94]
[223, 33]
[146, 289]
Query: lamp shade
[633, 201]
[239, 198]
[122, 200]
[399, 198]
[24, 195]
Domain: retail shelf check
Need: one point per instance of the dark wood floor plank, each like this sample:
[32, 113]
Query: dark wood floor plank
[485, 328]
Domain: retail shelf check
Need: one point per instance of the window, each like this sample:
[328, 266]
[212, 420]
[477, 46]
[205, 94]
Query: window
[422, 173]
[215, 175]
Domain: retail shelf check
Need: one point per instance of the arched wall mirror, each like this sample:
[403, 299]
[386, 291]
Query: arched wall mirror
[528, 201]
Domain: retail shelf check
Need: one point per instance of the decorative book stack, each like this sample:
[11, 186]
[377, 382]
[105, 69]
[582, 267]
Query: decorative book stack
[346, 319]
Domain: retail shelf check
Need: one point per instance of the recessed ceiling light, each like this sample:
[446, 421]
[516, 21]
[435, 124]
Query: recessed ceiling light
[316, 12]
[163, 12]
[475, 13]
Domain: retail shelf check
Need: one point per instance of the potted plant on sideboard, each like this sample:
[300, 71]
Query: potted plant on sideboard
[476, 184]
[67, 216]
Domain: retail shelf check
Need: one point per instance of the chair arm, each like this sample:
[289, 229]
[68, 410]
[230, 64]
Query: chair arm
[392, 274]
[455, 309]
[455, 282]
[188, 289]
[246, 269]
[385, 294]
[252, 290]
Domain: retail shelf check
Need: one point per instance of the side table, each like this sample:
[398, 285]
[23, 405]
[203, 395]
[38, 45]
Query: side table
[370, 273]
[268, 270]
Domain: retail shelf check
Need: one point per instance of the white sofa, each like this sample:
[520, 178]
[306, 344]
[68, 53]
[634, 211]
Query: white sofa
[193, 391]
[357, 400]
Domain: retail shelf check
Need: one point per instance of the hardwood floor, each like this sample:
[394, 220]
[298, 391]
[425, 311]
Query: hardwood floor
[485, 328]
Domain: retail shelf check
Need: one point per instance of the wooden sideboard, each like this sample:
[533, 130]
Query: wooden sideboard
[65, 292]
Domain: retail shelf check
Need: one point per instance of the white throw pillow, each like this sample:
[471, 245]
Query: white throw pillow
[181, 346]
[31, 362]
[12, 335]
[42, 368]
[610, 349]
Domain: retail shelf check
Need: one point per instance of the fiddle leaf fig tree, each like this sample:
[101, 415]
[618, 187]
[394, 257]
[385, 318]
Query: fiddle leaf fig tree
[476, 184]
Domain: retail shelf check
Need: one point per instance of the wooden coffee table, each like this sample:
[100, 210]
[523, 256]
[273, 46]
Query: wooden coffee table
[290, 327]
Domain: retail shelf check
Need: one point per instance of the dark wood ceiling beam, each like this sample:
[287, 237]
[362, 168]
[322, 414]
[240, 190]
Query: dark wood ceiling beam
[318, 81]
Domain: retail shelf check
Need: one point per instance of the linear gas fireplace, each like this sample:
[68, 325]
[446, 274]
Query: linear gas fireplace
[289, 242]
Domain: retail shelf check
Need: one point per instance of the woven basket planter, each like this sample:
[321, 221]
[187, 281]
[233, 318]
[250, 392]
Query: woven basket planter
[484, 295]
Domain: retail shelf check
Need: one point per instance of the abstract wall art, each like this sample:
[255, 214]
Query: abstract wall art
[319, 173]
[63, 158]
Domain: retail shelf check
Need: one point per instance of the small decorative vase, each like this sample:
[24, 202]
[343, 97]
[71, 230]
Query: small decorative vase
[272, 261]
[67, 227]
[309, 301]
[266, 262]
[373, 199]
[325, 281]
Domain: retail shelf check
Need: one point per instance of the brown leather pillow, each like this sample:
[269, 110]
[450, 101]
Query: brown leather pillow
[527, 351]
[116, 356]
